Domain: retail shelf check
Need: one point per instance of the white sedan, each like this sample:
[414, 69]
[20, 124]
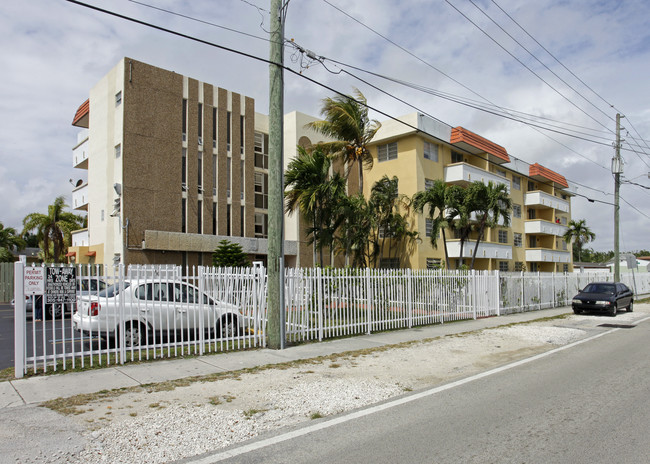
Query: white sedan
[155, 310]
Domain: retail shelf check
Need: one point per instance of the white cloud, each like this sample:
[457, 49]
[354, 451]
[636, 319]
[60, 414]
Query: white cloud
[54, 52]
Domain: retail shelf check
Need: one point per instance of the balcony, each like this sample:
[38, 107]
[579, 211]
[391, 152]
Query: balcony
[539, 198]
[463, 173]
[485, 250]
[80, 154]
[80, 237]
[545, 228]
[548, 256]
[80, 197]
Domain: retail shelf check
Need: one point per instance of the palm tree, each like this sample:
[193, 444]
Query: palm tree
[491, 203]
[9, 239]
[54, 229]
[460, 207]
[434, 198]
[347, 121]
[580, 234]
[355, 238]
[310, 188]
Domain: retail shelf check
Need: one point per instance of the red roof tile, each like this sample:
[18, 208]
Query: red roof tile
[81, 116]
[461, 135]
[540, 171]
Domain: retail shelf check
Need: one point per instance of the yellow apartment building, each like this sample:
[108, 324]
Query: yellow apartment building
[419, 149]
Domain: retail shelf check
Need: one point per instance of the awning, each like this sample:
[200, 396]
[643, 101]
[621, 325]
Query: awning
[91, 253]
[71, 253]
[474, 143]
[81, 116]
[539, 172]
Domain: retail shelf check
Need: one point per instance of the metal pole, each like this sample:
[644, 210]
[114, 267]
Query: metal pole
[276, 187]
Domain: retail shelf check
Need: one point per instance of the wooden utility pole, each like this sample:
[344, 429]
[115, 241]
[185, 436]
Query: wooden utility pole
[617, 169]
[275, 297]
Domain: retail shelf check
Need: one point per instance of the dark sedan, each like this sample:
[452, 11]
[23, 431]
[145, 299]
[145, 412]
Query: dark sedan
[606, 297]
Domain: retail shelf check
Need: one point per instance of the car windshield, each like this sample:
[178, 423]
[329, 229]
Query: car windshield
[112, 290]
[599, 288]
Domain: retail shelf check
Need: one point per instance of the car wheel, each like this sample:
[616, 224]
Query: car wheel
[53, 311]
[134, 335]
[630, 307]
[613, 311]
[576, 311]
[228, 327]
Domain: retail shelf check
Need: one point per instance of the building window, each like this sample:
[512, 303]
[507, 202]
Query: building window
[200, 172]
[563, 220]
[456, 157]
[184, 215]
[228, 220]
[503, 236]
[214, 218]
[565, 268]
[503, 266]
[389, 263]
[200, 123]
[500, 172]
[387, 152]
[434, 263]
[214, 175]
[516, 182]
[430, 151]
[118, 98]
[261, 223]
[102, 216]
[199, 217]
[531, 185]
[519, 266]
[564, 246]
[228, 170]
[261, 151]
[261, 190]
[428, 227]
[241, 134]
[184, 169]
[532, 214]
[534, 267]
[184, 119]
[228, 129]
[517, 239]
[241, 221]
[533, 241]
[428, 183]
[241, 180]
[516, 210]
[214, 127]
[118, 150]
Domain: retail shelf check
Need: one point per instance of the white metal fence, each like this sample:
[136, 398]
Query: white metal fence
[151, 312]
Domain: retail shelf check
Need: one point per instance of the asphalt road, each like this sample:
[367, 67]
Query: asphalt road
[585, 404]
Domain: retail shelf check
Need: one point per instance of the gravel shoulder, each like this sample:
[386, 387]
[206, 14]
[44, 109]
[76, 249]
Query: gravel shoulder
[163, 426]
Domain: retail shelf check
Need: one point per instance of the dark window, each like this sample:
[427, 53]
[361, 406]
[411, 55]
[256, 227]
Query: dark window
[200, 123]
[199, 217]
[228, 220]
[241, 222]
[456, 157]
[214, 218]
[214, 127]
[184, 215]
[184, 169]
[200, 171]
[228, 129]
[184, 119]
[241, 134]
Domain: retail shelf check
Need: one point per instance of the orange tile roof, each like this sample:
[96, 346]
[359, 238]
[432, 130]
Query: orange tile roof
[81, 116]
[539, 170]
[460, 135]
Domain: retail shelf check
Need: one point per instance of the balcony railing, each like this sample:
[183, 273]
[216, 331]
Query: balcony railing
[547, 255]
[462, 173]
[545, 228]
[80, 155]
[539, 198]
[80, 197]
[485, 250]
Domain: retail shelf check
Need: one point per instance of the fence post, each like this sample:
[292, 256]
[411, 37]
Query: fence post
[539, 291]
[319, 283]
[473, 298]
[368, 301]
[498, 292]
[201, 277]
[522, 292]
[122, 348]
[409, 279]
[19, 320]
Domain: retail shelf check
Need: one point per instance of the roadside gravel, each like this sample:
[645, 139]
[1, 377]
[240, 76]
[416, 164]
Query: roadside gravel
[163, 426]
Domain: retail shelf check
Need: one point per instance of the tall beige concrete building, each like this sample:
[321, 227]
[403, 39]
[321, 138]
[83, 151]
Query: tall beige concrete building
[174, 165]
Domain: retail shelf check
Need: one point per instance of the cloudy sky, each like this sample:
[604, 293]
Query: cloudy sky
[54, 51]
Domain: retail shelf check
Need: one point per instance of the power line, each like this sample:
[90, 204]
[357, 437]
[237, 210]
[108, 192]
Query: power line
[205, 42]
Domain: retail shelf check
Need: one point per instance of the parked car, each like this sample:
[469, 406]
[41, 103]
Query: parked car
[153, 310]
[85, 286]
[606, 297]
